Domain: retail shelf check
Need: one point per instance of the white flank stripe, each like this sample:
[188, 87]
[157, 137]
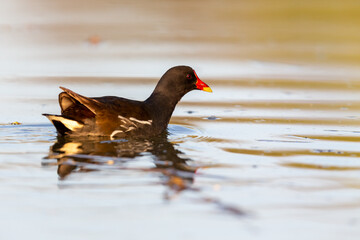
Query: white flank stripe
[129, 129]
[131, 123]
[142, 122]
[114, 133]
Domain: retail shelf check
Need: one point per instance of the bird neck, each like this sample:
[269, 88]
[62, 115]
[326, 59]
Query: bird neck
[161, 107]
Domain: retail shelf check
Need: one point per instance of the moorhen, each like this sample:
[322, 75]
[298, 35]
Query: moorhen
[120, 117]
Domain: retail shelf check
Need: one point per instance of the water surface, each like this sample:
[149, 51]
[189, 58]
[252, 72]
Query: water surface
[271, 153]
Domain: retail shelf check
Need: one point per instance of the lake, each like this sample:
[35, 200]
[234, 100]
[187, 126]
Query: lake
[272, 153]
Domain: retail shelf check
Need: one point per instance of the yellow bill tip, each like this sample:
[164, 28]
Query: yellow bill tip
[207, 89]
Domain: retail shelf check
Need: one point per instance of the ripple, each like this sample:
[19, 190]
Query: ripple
[289, 152]
[320, 167]
[275, 120]
[179, 130]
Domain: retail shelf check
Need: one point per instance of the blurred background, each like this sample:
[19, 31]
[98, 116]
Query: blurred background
[272, 153]
[142, 38]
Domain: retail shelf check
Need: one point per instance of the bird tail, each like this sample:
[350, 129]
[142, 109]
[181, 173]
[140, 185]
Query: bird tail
[64, 125]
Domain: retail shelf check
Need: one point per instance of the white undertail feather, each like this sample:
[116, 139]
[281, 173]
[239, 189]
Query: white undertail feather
[68, 123]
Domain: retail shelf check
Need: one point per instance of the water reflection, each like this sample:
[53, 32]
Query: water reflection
[97, 154]
[84, 155]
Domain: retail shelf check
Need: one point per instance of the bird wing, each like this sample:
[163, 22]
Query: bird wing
[70, 98]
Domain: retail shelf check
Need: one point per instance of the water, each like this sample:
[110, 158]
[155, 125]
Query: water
[271, 153]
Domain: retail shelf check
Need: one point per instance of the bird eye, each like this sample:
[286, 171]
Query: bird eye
[188, 76]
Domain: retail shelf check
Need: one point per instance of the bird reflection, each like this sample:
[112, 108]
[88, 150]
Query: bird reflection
[81, 155]
[85, 155]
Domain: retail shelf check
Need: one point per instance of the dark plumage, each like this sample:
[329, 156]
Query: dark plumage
[121, 117]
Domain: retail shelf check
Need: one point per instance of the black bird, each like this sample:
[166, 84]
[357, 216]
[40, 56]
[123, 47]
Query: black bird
[120, 117]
